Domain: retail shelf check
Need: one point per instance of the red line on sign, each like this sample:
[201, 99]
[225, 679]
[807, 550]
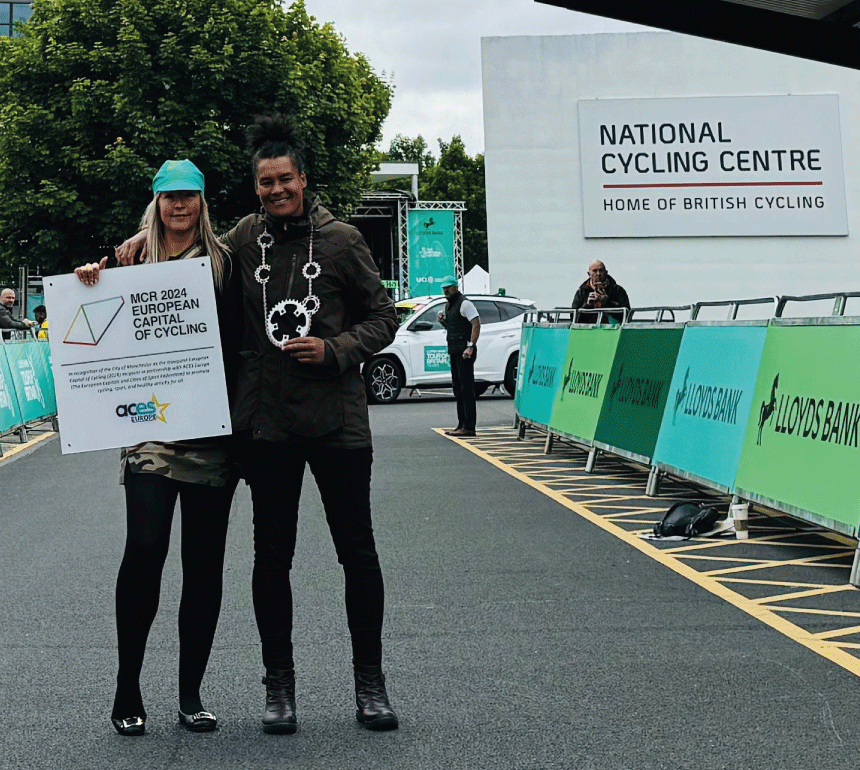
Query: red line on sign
[713, 184]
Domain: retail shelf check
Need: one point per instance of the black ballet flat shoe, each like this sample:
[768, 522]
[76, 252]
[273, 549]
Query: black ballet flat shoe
[130, 725]
[201, 722]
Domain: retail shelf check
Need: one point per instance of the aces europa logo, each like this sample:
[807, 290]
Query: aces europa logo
[144, 411]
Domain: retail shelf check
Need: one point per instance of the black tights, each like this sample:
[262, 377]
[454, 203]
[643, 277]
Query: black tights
[205, 510]
[275, 472]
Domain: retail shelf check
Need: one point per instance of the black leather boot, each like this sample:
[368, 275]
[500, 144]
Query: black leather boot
[280, 713]
[372, 707]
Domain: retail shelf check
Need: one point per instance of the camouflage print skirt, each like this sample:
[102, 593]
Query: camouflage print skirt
[197, 461]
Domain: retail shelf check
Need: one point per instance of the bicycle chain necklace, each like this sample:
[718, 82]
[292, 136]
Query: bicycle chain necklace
[290, 318]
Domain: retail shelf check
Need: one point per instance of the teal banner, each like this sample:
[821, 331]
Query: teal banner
[637, 389]
[709, 402]
[431, 250]
[542, 354]
[10, 415]
[32, 379]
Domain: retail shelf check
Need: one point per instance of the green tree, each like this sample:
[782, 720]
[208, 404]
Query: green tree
[405, 149]
[96, 94]
[458, 177]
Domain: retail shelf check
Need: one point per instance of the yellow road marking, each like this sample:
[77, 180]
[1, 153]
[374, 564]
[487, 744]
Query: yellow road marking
[16, 449]
[811, 611]
[782, 583]
[757, 563]
[812, 561]
[711, 583]
[820, 591]
[838, 632]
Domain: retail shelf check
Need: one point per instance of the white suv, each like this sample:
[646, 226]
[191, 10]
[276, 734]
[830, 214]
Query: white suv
[418, 357]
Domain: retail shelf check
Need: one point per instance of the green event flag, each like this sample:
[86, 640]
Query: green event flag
[430, 250]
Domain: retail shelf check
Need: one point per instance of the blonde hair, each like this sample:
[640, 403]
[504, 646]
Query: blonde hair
[156, 242]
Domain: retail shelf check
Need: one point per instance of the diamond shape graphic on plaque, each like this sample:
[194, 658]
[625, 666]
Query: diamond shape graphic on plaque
[92, 321]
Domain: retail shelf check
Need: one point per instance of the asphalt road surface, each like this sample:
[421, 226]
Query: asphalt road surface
[518, 636]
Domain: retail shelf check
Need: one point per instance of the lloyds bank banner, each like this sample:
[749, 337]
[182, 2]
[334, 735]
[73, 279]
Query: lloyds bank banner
[542, 356]
[709, 401]
[802, 441]
[431, 250]
[711, 166]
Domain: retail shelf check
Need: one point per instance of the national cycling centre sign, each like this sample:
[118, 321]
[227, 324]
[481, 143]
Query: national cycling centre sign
[712, 166]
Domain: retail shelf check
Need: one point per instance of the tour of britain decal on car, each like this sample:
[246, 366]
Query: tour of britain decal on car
[436, 358]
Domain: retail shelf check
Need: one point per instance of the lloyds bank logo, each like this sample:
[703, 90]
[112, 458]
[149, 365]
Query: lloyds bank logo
[707, 401]
[804, 416]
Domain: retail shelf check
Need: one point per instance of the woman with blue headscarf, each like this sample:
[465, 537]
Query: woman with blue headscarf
[199, 472]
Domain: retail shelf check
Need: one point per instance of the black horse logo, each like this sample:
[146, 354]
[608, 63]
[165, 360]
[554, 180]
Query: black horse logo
[532, 370]
[430, 222]
[567, 379]
[617, 384]
[766, 412]
[681, 395]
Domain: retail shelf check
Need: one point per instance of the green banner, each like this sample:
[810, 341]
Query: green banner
[431, 250]
[584, 376]
[637, 389]
[801, 448]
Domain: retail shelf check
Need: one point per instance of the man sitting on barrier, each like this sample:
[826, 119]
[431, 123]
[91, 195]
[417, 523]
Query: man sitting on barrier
[599, 291]
[7, 302]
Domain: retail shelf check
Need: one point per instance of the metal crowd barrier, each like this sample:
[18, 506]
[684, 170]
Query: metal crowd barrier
[766, 409]
[26, 384]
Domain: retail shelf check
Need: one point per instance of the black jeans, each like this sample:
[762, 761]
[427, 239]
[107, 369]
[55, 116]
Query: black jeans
[205, 511]
[275, 471]
[463, 380]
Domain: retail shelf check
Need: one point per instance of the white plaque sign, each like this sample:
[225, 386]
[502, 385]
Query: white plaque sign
[137, 357]
[748, 165]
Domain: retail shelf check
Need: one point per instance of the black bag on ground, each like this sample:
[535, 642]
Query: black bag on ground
[687, 520]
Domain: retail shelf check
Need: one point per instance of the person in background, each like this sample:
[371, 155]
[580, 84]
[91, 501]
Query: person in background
[600, 290]
[41, 316]
[7, 320]
[199, 472]
[463, 326]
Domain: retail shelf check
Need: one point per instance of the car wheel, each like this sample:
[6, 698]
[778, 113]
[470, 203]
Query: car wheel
[510, 381]
[481, 388]
[383, 381]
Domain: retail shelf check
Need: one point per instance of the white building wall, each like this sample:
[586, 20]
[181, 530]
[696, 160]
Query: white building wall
[534, 208]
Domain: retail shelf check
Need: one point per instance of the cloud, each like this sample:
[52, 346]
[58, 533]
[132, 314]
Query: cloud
[432, 48]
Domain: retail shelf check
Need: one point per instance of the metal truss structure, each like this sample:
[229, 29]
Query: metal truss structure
[382, 204]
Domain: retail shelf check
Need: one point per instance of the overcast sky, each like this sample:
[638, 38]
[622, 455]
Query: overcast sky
[432, 48]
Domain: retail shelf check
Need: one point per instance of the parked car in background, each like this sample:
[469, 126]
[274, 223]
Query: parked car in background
[418, 357]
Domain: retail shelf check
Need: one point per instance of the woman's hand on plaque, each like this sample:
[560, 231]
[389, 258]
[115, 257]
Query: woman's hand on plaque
[89, 274]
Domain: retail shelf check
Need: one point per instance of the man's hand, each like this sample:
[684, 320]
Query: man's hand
[467, 353]
[127, 250]
[89, 274]
[28, 323]
[308, 350]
